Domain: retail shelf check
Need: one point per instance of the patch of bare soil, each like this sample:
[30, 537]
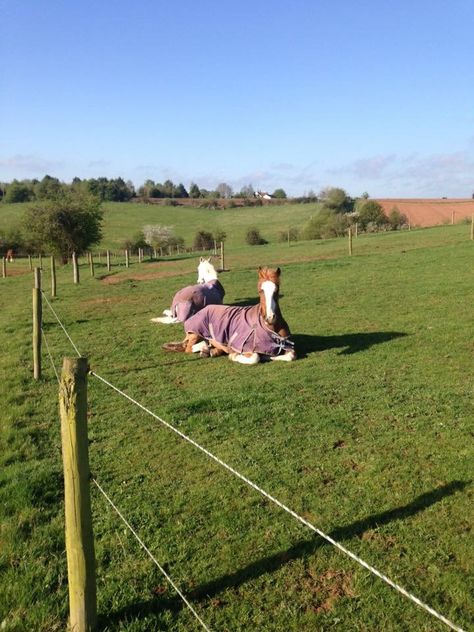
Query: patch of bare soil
[430, 212]
[328, 588]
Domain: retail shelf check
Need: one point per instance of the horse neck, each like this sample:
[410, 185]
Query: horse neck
[210, 276]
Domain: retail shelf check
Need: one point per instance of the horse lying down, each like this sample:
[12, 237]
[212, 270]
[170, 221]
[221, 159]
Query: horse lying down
[189, 300]
[246, 334]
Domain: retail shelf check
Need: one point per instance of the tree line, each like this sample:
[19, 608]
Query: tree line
[118, 190]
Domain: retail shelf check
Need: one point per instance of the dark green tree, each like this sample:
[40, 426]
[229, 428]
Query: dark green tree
[70, 223]
[194, 191]
[279, 194]
[18, 192]
[48, 188]
[336, 199]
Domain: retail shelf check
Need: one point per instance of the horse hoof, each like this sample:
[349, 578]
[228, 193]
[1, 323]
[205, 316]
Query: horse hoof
[174, 346]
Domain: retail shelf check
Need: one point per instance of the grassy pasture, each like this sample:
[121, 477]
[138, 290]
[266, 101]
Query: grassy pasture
[368, 435]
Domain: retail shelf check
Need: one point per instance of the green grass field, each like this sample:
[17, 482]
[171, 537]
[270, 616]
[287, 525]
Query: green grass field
[368, 435]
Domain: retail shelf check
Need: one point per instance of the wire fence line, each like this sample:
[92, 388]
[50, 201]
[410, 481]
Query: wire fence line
[128, 525]
[275, 501]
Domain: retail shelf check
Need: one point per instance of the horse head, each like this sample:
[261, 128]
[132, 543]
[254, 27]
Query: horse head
[268, 289]
[206, 271]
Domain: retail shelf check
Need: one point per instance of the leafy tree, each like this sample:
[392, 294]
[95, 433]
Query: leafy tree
[370, 212]
[180, 191]
[203, 240]
[396, 219]
[70, 223]
[279, 194]
[18, 192]
[336, 199]
[194, 191]
[326, 224]
[48, 188]
[220, 235]
[254, 238]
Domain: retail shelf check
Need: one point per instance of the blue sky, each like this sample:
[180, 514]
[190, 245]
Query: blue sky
[368, 95]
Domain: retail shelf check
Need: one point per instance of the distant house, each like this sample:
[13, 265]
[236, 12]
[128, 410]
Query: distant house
[263, 195]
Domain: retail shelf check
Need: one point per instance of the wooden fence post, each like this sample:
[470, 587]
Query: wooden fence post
[222, 256]
[40, 260]
[349, 233]
[127, 258]
[53, 277]
[91, 263]
[108, 260]
[357, 229]
[37, 318]
[452, 218]
[30, 262]
[75, 268]
[4, 267]
[78, 516]
[472, 226]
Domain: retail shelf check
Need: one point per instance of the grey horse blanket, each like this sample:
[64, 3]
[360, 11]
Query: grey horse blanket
[240, 329]
[193, 298]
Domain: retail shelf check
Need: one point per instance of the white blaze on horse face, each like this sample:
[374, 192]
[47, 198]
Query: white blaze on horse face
[269, 289]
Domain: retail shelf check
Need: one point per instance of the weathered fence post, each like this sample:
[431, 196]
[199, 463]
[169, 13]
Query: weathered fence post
[472, 226]
[37, 318]
[53, 277]
[127, 259]
[222, 256]
[452, 218]
[75, 268]
[40, 260]
[78, 516]
[4, 267]
[30, 262]
[356, 232]
[91, 263]
[215, 248]
[108, 260]
[349, 233]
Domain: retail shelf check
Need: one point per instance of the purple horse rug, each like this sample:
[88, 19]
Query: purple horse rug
[240, 329]
[193, 298]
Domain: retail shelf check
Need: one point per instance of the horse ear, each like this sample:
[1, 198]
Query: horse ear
[278, 271]
[201, 260]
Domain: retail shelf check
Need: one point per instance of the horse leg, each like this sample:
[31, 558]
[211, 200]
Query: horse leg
[191, 341]
[165, 320]
[289, 356]
[244, 358]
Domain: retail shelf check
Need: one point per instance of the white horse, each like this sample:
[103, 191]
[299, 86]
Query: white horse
[189, 300]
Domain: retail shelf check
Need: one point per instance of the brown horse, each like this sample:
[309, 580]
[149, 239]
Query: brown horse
[246, 334]
[9, 256]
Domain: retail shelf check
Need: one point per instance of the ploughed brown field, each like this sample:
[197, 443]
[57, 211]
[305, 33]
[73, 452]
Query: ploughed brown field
[430, 212]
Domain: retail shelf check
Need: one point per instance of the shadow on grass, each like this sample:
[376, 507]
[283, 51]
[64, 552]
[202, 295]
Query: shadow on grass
[275, 562]
[351, 343]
